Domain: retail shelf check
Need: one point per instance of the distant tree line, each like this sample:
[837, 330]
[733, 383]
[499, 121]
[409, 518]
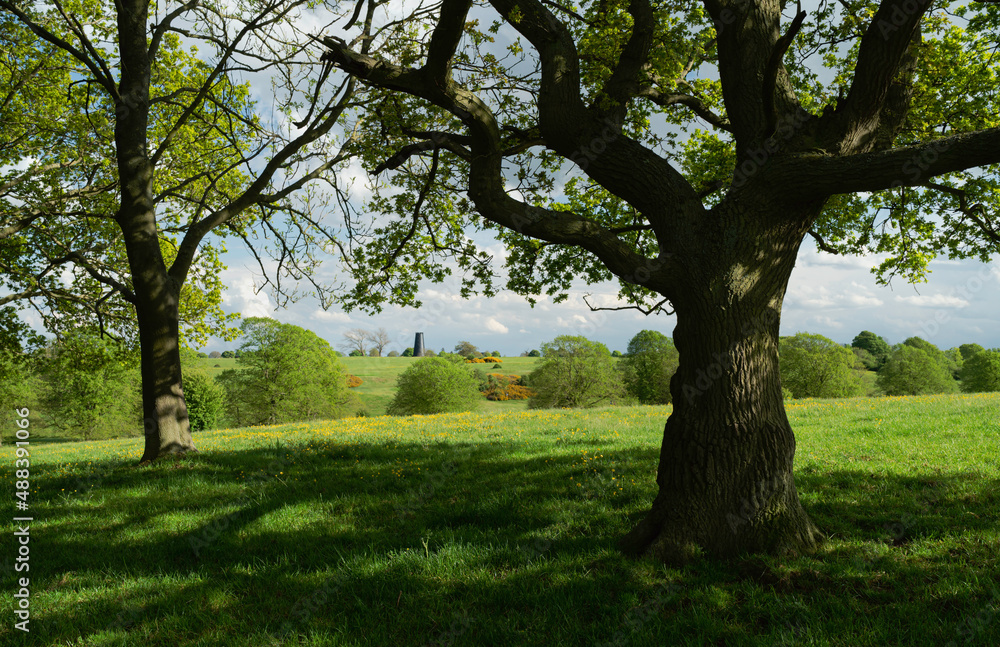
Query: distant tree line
[88, 386]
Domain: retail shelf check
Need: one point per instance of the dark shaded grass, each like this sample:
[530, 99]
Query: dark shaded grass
[502, 534]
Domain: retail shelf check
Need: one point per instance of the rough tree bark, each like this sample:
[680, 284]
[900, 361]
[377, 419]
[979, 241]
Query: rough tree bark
[725, 472]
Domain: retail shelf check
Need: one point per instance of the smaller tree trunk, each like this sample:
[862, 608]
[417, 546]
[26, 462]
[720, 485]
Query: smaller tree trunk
[165, 415]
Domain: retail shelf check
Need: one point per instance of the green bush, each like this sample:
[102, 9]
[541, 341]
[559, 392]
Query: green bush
[575, 372]
[91, 387]
[647, 366]
[912, 371]
[286, 374]
[981, 372]
[813, 366]
[206, 400]
[435, 385]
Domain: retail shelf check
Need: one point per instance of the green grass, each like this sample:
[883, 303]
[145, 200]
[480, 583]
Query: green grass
[499, 529]
[215, 366]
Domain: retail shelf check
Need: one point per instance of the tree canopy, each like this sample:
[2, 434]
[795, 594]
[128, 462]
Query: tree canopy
[914, 371]
[574, 372]
[133, 149]
[981, 372]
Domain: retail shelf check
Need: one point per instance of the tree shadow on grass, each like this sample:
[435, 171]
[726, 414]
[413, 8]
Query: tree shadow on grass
[465, 543]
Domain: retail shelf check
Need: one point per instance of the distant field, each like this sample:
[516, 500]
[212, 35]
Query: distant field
[379, 374]
[500, 528]
[216, 366]
[379, 379]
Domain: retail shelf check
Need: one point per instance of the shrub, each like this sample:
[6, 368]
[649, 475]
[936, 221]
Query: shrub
[575, 372]
[505, 387]
[91, 387]
[356, 353]
[228, 354]
[353, 381]
[911, 371]
[813, 366]
[287, 374]
[534, 353]
[981, 372]
[492, 359]
[206, 400]
[647, 366]
[407, 353]
[393, 353]
[434, 385]
[466, 349]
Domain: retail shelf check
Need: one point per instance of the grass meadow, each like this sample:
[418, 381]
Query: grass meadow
[499, 528]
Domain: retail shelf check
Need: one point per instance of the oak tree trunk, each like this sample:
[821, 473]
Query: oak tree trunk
[165, 415]
[155, 293]
[725, 472]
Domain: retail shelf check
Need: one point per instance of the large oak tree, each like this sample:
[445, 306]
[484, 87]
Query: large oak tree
[686, 149]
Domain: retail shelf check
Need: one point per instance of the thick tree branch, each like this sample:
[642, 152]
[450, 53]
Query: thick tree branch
[486, 185]
[436, 142]
[81, 261]
[161, 28]
[623, 84]
[445, 38]
[821, 243]
[771, 71]
[818, 176]
[880, 55]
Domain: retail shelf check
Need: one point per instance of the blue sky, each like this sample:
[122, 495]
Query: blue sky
[830, 295]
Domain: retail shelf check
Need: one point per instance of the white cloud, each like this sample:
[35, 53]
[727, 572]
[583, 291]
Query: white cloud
[864, 301]
[240, 297]
[495, 326]
[934, 301]
[335, 317]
